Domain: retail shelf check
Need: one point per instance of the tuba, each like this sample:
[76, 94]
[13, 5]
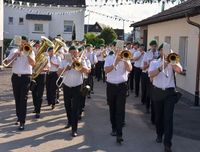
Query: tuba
[41, 57]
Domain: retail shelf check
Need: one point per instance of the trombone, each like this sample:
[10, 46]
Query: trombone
[76, 64]
[26, 50]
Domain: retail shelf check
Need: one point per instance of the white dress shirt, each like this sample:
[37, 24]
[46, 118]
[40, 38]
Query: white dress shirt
[72, 78]
[148, 57]
[56, 60]
[132, 52]
[88, 64]
[117, 75]
[164, 79]
[92, 57]
[139, 61]
[100, 55]
[21, 64]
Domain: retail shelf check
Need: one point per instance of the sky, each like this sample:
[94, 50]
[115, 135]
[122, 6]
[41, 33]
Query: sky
[134, 12]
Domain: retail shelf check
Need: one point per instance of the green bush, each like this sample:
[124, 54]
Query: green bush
[108, 34]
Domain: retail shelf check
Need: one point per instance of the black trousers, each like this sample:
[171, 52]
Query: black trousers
[72, 100]
[100, 70]
[37, 93]
[51, 87]
[21, 85]
[131, 78]
[83, 97]
[145, 82]
[137, 73]
[164, 109]
[116, 96]
[90, 77]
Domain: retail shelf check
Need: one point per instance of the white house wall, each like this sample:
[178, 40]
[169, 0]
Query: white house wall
[54, 27]
[176, 29]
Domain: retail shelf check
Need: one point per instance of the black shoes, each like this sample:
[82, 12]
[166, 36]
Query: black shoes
[159, 139]
[37, 115]
[17, 122]
[21, 127]
[68, 126]
[53, 107]
[113, 133]
[92, 92]
[168, 149]
[119, 140]
[74, 134]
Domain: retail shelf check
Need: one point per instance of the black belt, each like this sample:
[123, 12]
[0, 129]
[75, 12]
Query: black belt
[117, 85]
[52, 72]
[165, 89]
[22, 75]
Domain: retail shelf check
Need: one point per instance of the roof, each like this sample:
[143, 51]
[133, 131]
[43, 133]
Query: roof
[190, 7]
[97, 27]
[55, 2]
[38, 17]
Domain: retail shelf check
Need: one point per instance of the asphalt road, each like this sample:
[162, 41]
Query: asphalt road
[47, 134]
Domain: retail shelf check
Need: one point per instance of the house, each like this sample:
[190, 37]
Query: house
[1, 31]
[34, 18]
[172, 27]
[98, 27]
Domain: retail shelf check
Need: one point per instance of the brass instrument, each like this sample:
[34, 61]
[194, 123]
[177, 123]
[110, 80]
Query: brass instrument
[173, 58]
[104, 54]
[26, 49]
[126, 55]
[58, 44]
[41, 57]
[76, 64]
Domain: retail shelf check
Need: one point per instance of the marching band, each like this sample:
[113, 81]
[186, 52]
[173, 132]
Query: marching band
[56, 64]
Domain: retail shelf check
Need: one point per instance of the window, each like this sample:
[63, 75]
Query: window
[38, 27]
[168, 39]
[21, 20]
[183, 49]
[10, 20]
[157, 39]
[68, 26]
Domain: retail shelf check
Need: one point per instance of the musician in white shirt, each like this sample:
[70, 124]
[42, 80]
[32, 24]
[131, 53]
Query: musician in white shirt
[131, 77]
[21, 78]
[163, 75]
[101, 54]
[137, 58]
[149, 56]
[117, 75]
[91, 55]
[72, 81]
[51, 77]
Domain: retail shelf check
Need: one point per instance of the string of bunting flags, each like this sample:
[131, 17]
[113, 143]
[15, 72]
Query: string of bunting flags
[109, 16]
[33, 9]
[36, 10]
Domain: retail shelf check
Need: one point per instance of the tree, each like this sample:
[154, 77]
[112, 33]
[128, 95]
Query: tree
[74, 33]
[108, 34]
[90, 38]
